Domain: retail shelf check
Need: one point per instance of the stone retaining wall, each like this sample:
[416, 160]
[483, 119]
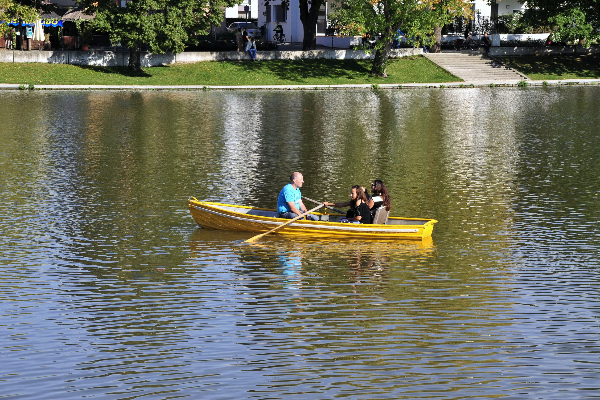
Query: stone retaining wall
[121, 58]
[546, 50]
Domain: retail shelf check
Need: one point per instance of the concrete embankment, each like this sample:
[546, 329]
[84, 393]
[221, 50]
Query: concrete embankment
[121, 58]
[109, 58]
[447, 85]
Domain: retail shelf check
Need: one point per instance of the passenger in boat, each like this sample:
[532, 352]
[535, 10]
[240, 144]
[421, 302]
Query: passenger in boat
[359, 211]
[289, 202]
[380, 197]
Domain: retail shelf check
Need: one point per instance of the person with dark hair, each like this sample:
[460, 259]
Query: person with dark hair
[289, 202]
[485, 42]
[278, 32]
[246, 39]
[380, 195]
[359, 212]
[252, 49]
[239, 40]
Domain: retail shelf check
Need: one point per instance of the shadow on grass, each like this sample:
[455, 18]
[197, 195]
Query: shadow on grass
[300, 70]
[122, 71]
[583, 66]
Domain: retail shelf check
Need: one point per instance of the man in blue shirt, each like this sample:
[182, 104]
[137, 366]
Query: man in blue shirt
[289, 202]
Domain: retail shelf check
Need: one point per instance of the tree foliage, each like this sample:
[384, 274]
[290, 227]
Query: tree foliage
[383, 18]
[572, 21]
[163, 25]
[19, 10]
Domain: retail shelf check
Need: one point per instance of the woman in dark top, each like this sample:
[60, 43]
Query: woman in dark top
[359, 210]
[380, 197]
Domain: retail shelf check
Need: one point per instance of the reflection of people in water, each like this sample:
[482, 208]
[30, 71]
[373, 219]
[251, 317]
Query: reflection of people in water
[291, 265]
[367, 265]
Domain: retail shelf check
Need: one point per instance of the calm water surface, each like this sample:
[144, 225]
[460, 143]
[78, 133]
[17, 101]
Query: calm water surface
[109, 290]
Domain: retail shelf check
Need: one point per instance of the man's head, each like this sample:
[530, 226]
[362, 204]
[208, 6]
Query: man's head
[297, 179]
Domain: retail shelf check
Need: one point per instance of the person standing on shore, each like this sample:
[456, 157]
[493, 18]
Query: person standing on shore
[239, 40]
[485, 42]
[246, 39]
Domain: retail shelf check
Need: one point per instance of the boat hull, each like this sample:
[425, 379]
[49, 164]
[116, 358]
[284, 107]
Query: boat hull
[253, 219]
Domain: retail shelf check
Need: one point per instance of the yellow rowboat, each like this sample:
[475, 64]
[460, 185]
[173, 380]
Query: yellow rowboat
[253, 219]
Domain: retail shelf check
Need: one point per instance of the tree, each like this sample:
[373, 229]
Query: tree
[444, 13]
[573, 21]
[16, 10]
[309, 13]
[383, 18]
[163, 25]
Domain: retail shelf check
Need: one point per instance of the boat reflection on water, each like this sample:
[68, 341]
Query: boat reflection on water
[294, 261]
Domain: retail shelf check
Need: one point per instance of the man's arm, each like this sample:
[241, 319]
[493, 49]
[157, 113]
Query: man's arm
[302, 206]
[293, 208]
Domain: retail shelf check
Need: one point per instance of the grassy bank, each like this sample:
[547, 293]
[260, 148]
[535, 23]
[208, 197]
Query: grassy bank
[556, 67]
[230, 73]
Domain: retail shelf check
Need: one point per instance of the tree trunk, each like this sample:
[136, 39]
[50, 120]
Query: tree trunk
[381, 57]
[309, 22]
[437, 33]
[135, 58]
[310, 36]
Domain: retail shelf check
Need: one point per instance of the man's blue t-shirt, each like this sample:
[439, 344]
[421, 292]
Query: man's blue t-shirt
[288, 193]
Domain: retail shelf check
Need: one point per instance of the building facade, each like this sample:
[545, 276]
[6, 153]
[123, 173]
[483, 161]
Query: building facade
[269, 15]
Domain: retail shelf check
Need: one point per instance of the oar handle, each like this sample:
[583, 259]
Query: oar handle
[331, 208]
[255, 238]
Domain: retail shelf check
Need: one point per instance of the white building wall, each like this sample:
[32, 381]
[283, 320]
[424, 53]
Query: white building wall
[509, 7]
[294, 30]
[484, 8]
[292, 26]
[236, 12]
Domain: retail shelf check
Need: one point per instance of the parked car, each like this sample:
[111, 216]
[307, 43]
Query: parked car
[252, 28]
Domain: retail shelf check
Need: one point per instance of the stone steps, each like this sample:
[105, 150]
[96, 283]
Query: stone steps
[474, 67]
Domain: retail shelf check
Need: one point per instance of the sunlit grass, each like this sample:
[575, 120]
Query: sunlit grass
[230, 73]
[556, 67]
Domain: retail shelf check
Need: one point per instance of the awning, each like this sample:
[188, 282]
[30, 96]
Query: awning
[75, 14]
[51, 19]
[48, 19]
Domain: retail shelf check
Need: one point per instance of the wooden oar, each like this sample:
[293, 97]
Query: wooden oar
[331, 208]
[255, 238]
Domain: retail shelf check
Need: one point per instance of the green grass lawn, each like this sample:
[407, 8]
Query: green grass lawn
[231, 73]
[556, 67]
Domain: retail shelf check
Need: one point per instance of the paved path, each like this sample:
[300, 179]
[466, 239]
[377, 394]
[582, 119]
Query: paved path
[471, 66]
[468, 84]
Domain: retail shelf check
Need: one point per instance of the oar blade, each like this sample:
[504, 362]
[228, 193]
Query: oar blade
[254, 238]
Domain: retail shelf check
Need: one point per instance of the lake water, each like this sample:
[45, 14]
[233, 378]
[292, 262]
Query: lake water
[109, 290]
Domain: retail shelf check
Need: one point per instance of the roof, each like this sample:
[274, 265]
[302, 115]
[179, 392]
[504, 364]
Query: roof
[76, 13]
[50, 15]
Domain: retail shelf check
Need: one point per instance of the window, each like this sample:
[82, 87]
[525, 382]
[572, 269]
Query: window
[280, 13]
[322, 20]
